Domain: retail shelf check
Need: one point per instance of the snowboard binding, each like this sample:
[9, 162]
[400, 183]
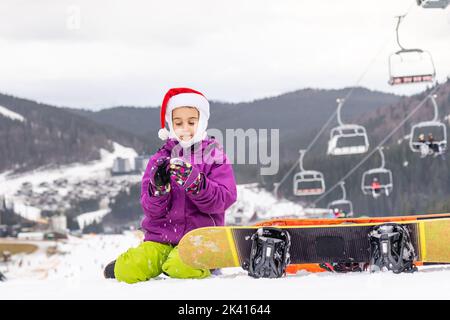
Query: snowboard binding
[269, 255]
[391, 249]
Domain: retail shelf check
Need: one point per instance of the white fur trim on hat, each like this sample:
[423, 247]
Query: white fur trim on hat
[163, 134]
[188, 100]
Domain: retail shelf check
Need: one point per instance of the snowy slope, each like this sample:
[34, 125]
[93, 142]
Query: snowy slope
[255, 204]
[89, 217]
[78, 275]
[11, 114]
[76, 171]
[99, 169]
[27, 212]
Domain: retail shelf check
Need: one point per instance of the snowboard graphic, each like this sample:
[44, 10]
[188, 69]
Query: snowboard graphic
[221, 247]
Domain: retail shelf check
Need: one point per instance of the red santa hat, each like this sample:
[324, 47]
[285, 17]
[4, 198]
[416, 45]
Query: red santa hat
[183, 97]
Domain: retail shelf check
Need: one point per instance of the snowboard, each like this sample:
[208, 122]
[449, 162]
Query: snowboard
[222, 247]
[314, 267]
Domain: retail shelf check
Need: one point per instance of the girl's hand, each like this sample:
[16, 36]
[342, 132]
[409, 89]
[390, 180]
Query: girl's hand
[185, 175]
[160, 176]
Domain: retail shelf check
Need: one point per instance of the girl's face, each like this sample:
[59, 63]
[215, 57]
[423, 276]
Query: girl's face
[185, 121]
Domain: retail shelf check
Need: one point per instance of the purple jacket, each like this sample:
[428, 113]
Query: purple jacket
[170, 216]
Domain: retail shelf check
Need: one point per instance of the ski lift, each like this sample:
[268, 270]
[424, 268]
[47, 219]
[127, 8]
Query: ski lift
[308, 182]
[347, 139]
[433, 4]
[401, 61]
[342, 205]
[429, 129]
[378, 181]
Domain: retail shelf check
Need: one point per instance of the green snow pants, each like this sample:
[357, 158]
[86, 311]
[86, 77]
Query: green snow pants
[150, 259]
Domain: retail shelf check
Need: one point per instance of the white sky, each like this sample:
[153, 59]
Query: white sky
[96, 54]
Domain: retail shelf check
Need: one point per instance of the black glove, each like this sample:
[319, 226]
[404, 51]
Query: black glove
[160, 176]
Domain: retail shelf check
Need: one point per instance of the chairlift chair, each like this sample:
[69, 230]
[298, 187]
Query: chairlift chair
[308, 182]
[409, 66]
[433, 4]
[383, 176]
[347, 139]
[342, 204]
[400, 67]
[436, 128]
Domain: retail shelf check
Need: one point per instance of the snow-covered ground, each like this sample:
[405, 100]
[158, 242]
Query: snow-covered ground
[11, 114]
[77, 274]
[91, 217]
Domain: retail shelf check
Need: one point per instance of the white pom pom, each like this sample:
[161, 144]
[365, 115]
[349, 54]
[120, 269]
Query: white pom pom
[163, 134]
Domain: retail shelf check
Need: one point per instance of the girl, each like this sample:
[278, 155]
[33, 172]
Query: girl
[188, 184]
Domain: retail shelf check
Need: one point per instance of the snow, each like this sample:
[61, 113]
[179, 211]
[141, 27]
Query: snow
[73, 172]
[11, 114]
[30, 236]
[89, 217]
[98, 169]
[28, 212]
[76, 273]
[254, 202]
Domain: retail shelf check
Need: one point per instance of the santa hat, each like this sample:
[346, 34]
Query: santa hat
[183, 97]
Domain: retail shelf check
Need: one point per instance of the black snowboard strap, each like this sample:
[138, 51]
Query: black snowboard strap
[269, 255]
[391, 248]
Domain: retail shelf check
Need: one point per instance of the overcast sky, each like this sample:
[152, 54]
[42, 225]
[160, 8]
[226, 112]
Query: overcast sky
[102, 53]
